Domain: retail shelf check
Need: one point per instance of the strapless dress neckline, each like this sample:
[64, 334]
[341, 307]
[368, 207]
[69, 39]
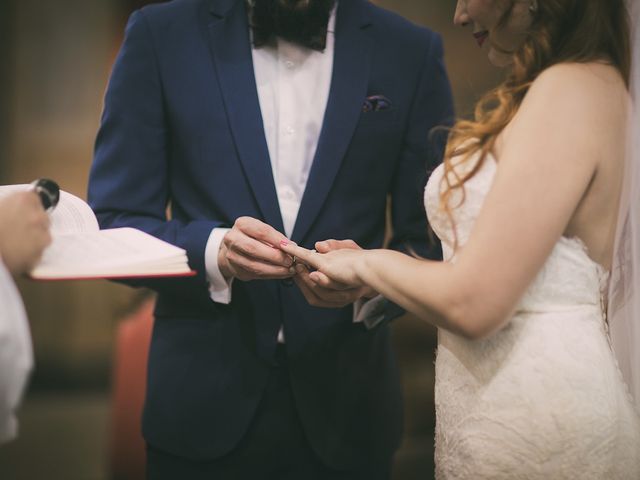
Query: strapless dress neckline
[543, 397]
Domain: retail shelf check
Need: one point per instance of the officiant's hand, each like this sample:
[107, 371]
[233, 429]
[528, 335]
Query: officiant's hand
[250, 251]
[24, 231]
[321, 291]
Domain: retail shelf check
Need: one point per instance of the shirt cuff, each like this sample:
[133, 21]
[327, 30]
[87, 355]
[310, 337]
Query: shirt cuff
[8, 427]
[219, 287]
[370, 312]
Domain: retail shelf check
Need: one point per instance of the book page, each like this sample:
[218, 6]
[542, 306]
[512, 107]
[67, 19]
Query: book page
[118, 252]
[72, 214]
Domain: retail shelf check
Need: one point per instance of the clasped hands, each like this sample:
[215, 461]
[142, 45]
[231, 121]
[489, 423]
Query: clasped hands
[253, 250]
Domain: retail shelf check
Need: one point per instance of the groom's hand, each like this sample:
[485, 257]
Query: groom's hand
[249, 251]
[330, 294]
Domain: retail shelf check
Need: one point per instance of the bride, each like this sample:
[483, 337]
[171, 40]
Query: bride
[526, 205]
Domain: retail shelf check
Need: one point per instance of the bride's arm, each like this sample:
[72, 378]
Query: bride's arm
[547, 162]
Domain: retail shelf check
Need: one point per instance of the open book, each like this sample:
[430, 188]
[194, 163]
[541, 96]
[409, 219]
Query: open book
[81, 250]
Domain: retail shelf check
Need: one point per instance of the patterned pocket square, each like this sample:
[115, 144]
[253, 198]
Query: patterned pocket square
[376, 103]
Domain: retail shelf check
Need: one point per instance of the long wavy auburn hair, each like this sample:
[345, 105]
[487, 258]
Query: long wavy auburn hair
[577, 31]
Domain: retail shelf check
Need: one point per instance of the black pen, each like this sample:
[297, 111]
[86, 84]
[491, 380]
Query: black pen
[48, 191]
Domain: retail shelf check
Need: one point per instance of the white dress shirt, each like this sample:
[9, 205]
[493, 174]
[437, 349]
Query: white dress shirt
[16, 354]
[293, 85]
[293, 89]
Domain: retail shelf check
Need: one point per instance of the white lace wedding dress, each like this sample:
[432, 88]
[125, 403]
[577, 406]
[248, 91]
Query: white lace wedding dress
[543, 398]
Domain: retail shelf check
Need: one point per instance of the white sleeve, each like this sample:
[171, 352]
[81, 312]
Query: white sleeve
[369, 311]
[219, 287]
[16, 354]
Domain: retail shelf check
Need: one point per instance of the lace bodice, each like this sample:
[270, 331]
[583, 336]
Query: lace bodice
[568, 278]
[543, 397]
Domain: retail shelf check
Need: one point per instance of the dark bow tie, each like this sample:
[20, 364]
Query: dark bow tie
[263, 37]
[269, 19]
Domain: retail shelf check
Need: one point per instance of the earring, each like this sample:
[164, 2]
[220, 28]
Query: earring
[533, 6]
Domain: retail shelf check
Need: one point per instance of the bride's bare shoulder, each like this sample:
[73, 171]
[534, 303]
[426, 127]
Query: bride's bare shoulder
[585, 101]
[594, 84]
[584, 106]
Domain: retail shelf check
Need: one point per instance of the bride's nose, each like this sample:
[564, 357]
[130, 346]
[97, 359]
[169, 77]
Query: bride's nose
[460, 17]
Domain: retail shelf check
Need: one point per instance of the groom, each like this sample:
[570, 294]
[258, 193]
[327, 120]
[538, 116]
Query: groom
[227, 125]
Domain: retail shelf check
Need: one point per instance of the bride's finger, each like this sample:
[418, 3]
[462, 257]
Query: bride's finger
[308, 257]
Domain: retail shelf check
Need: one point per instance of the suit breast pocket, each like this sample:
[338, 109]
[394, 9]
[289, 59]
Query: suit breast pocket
[380, 121]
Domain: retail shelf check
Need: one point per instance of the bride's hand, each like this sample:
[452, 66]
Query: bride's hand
[338, 265]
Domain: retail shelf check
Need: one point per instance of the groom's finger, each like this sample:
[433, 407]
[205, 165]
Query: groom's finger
[318, 297]
[328, 294]
[259, 230]
[321, 279]
[249, 268]
[324, 281]
[326, 246]
[254, 249]
[255, 239]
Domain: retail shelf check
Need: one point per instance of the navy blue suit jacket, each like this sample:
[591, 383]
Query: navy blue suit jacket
[182, 132]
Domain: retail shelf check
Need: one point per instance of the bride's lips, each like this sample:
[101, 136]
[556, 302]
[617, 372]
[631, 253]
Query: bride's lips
[481, 37]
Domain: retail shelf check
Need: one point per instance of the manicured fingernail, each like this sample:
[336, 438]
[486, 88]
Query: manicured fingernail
[299, 268]
[321, 244]
[284, 243]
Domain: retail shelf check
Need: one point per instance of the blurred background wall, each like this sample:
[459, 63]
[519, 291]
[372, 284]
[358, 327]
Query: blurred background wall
[55, 58]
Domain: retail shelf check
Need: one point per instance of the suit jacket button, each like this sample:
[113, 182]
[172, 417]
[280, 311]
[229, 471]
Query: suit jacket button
[286, 282]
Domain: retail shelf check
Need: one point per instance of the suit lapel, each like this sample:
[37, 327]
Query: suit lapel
[231, 50]
[352, 57]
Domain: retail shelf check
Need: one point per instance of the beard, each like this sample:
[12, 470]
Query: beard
[303, 22]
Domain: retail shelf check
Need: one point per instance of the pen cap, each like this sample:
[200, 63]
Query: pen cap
[48, 191]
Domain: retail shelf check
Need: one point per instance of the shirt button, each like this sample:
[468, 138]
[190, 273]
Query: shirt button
[290, 130]
[287, 194]
[289, 64]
